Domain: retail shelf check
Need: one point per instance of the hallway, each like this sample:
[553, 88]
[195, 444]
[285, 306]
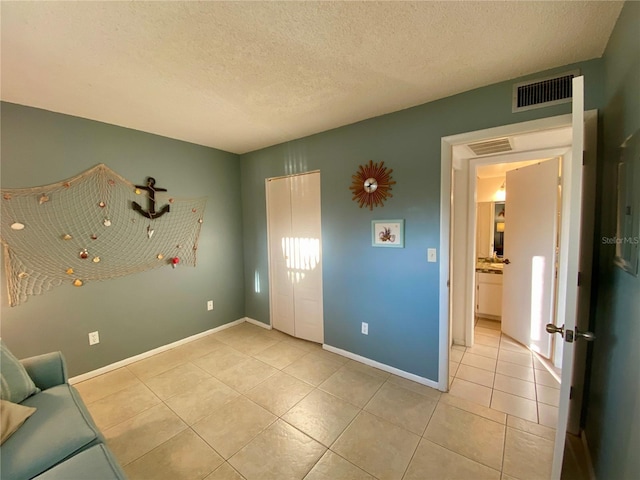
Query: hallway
[502, 374]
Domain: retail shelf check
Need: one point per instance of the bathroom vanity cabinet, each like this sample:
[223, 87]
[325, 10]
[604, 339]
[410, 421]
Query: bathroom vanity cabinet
[489, 294]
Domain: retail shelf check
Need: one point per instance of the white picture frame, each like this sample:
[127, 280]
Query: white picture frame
[387, 233]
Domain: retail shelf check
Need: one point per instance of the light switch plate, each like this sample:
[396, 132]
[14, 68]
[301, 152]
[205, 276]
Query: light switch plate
[94, 338]
[431, 255]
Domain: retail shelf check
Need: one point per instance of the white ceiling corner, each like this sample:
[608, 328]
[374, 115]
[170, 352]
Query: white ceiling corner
[240, 76]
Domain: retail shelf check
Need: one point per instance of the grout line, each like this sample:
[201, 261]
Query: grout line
[104, 429]
[349, 461]
[412, 455]
[209, 445]
[537, 401]
[467, 457]
[504, 449]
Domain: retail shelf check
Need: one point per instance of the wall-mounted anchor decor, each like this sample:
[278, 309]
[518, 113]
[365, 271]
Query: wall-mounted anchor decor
[73, 232]
[151, 189]
[371, 184]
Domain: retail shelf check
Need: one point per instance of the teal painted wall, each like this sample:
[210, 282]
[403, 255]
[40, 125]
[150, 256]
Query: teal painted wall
[138, 312]
[613, 402]
[394, 290]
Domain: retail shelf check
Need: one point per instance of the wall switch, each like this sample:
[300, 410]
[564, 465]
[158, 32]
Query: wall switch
[431, 255]
[210, 305]
[94, 338]
[365, 328]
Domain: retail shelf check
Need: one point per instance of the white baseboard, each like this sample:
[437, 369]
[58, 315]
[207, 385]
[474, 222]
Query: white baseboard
[150, 353]
[258, 323]
[382, 366]
[169, 346]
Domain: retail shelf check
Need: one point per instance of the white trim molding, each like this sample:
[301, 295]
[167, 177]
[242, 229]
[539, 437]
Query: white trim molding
[257, 323]
[169, 346]
[456, 291]
[381, 366]
[122, 363]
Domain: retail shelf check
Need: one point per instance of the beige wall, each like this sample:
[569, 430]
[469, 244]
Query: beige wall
[487, 188]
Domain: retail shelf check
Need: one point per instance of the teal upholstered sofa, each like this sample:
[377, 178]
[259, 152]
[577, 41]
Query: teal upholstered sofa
[60, 439]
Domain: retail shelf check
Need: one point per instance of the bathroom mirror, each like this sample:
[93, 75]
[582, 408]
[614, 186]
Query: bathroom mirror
[490, 229]
[498, 228]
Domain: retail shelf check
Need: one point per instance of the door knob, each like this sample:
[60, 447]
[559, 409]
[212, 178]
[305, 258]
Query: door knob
[507, 261]
[551, 328]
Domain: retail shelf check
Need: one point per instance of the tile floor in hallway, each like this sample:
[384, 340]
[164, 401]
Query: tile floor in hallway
[252, 403]
[502, 374]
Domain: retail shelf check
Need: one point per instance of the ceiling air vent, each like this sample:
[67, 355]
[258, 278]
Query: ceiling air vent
[543, 92]
[497, 145]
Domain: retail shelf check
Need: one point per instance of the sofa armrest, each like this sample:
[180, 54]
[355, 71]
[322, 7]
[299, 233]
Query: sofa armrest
[47, 370]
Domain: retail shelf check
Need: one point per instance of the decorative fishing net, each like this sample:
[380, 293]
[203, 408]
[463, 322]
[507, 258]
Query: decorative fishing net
[93, 227]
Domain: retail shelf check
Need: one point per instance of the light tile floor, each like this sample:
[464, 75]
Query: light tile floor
[257, 404]
[500, 373]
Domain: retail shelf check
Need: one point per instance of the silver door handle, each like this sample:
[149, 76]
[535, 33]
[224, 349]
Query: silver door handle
[588, 336]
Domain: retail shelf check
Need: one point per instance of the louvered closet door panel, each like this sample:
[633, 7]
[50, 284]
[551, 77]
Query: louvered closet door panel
[307, 262]
[281, 254]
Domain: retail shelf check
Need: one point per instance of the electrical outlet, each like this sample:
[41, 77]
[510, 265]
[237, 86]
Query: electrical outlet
[210, 305]
[431, 255]
[94, 338]
[365, 328]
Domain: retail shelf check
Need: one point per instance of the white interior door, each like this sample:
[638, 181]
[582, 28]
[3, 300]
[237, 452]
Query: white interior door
[295, 250]
[569, 261]
[280, 253]
[587, 226]
[307, 265]
[530, 235]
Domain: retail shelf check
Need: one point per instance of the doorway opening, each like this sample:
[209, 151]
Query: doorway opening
[529, 141]
[515, 221]
[513, 224]
[575, 252]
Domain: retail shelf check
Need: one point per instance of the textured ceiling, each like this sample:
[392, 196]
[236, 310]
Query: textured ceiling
[239, 76]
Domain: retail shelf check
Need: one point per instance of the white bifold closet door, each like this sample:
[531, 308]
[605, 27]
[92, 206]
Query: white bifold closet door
[295, 255]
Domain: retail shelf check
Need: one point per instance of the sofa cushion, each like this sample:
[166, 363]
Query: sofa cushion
[12, 416]
[59, 428]
[95, 463]
[16, 384]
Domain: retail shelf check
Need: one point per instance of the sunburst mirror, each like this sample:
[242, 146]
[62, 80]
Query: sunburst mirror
[372, 184]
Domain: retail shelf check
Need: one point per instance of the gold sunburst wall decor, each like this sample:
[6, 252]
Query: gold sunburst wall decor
[372, 184]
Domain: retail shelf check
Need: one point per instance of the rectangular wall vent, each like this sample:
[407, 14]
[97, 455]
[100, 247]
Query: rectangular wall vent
[491, 147]
[543, 92]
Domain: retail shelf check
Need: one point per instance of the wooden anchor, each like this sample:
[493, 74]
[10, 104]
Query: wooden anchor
[151, 188]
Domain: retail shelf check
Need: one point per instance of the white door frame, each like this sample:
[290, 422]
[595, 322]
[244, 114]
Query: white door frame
[455, 185]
